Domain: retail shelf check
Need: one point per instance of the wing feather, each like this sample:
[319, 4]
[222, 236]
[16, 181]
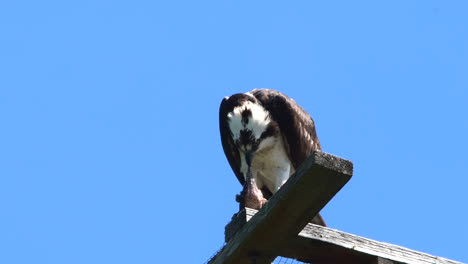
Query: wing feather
[230, 150]
[296, 125]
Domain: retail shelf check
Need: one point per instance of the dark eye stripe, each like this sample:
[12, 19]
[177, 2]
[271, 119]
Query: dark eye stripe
[272, 130]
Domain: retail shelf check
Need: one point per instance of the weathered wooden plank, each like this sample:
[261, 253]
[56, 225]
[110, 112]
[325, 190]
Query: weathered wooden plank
[315, 182]
[321, 245]
[379, 260]
[370, 247]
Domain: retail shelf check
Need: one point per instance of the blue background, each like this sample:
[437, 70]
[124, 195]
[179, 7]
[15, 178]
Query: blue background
[109, 142]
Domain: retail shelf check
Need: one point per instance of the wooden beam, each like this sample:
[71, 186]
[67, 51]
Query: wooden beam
[322, 245]
[315, 183]
[379, 260]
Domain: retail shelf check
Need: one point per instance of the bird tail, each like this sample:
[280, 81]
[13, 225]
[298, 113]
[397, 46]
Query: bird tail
[318, 220]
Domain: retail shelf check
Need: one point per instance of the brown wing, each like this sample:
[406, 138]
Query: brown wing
[230, 150]
[296, 125]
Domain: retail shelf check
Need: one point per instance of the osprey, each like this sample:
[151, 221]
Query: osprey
[266, 136]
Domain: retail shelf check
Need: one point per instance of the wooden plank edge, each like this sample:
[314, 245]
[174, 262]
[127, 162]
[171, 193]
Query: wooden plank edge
[363, 248]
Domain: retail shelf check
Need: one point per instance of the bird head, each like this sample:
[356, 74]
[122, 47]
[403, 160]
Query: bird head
[251, 126]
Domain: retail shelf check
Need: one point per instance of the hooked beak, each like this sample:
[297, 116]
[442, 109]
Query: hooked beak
[249, 157]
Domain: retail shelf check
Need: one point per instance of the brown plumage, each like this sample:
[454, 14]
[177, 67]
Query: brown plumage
[263, 131]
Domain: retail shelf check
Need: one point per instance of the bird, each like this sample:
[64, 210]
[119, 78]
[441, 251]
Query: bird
[265, 136]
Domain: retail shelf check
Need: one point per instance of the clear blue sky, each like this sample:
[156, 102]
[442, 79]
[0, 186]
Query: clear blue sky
[110, 150]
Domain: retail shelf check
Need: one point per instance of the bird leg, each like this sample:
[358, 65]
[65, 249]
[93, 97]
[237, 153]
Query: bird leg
[251, 196]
